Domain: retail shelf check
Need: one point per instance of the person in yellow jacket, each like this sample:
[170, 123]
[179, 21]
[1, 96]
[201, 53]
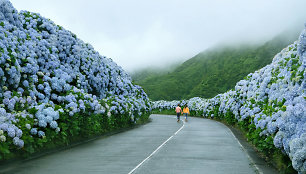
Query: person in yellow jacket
[186, 112]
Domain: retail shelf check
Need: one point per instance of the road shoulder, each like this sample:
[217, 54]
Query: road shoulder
[258, 161]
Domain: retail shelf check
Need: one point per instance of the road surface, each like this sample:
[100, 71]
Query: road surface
[162, 146]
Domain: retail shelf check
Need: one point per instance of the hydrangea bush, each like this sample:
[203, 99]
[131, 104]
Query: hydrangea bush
[54, 88]
[270, 103]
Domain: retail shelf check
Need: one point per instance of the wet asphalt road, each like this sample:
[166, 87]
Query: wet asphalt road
[199, 146]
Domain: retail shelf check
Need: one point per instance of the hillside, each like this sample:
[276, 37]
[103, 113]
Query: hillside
[211, 72]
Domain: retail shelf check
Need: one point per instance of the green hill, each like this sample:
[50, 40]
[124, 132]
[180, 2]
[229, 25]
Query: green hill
[210, 72]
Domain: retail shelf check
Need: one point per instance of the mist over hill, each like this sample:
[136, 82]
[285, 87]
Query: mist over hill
[212, 71]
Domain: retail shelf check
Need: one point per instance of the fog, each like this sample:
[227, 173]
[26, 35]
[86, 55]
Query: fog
[142, 33]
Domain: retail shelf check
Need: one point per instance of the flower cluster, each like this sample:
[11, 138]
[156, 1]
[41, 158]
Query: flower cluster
[273, 97]
[46, 70]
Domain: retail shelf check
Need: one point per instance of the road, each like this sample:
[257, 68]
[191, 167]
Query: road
[162, 146]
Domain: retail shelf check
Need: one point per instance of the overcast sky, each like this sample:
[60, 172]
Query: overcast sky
[142, 33]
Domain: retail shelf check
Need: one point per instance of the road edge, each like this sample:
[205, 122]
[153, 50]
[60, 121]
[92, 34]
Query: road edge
[9, 165]
[257, 161]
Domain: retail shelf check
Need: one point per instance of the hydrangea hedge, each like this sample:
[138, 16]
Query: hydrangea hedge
[55, 89]
[269, 104]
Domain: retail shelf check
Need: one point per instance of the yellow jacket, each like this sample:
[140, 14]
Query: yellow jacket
[186, 110]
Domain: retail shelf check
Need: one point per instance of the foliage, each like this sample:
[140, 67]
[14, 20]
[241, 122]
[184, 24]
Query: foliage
[55, 89]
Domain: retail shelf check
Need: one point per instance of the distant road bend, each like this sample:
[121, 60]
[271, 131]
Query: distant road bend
[162, 146]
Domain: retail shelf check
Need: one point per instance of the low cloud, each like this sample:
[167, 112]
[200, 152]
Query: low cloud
[137, 33]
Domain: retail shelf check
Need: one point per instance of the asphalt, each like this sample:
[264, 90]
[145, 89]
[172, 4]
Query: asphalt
[162, 146]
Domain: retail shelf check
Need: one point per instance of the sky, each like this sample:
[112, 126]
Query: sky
[139, 34]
